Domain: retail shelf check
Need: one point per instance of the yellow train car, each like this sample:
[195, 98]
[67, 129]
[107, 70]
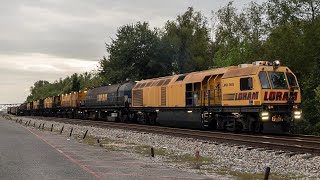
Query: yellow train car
[37, 107]
[262, 96]
[71, 103]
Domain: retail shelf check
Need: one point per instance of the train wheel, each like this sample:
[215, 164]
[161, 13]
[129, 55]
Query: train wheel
[152, 119]
[123, 117]
[142, 118]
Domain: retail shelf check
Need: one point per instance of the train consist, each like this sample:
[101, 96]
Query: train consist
[259, 97]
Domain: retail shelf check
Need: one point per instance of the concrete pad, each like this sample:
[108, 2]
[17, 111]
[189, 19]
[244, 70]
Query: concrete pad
[98, 162]
[24, 156]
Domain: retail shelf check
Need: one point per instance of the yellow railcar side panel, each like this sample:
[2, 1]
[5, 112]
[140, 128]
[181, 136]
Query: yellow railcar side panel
[233, 96]
[169, 96]
[145, 97]
[157, 96]
[176, 95]
[151, 99]
[82, 96]
[48, 102]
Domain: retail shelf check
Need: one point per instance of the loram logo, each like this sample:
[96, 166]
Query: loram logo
[278, 96]
[246, 96]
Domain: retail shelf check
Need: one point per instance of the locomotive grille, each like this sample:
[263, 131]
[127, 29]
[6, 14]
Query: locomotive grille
[163, 96]
[138, 97]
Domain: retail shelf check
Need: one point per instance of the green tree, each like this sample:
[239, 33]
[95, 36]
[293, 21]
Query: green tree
[136, 53]
[75, 82]
[239, 36]
[189, 39]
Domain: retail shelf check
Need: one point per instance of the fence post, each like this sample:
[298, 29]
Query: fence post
[71, 132]
[266, 175]
[85, 134]
[51, 127]
[61, 130]
[152, 152]
[197, 155]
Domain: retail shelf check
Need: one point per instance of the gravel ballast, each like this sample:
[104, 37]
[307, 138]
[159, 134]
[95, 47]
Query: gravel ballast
[216, 157]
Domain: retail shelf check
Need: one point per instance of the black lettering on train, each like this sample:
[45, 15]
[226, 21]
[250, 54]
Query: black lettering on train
[278, 96]
[246, 96]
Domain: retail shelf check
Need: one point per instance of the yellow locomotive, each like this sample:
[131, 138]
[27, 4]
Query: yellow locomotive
[262, 96]
[257, 97]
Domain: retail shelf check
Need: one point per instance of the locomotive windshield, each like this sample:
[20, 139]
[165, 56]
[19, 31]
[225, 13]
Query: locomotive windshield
[278, 80]
[292, 80]
[264, 80]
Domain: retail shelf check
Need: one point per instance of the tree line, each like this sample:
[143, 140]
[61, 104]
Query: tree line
[285, 30]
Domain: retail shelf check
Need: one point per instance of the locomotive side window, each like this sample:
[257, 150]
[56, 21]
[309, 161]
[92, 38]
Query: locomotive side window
[292, 80]
[181, 78]
[278, 80]
[245, 84]
[264, 80]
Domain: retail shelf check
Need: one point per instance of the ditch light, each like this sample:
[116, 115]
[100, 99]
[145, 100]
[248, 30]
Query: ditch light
[297, 114]
[265, 116]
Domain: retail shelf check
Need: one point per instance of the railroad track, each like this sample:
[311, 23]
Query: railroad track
[292, 143]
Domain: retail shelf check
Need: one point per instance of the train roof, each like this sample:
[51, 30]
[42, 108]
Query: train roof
[192, 77]
[199, 76]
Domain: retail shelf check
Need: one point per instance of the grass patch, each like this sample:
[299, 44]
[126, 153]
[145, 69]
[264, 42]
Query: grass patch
[146, 149]
[91, 140]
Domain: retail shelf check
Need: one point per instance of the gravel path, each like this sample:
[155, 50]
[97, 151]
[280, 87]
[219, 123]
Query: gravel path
[216, 158]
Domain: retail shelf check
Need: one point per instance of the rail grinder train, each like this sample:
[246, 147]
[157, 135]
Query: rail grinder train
[258, 97]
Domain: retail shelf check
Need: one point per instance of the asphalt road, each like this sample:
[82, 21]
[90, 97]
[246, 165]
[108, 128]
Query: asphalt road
[24, 156]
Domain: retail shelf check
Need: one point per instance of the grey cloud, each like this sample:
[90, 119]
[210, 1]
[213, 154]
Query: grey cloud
[74, 29]
[78, 29]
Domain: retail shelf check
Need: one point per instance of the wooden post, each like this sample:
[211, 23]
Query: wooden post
[61, 130]
[197, 155]
[152, 152]
[266, 175]
[85, 134]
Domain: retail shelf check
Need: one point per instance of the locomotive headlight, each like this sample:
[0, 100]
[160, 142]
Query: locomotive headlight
[276, 63]
[264, 115]
[297, 113]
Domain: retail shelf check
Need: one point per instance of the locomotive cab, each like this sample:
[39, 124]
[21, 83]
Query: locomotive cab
[267, 95]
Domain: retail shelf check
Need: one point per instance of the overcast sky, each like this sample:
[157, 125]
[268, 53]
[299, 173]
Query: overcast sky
[49, 39]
